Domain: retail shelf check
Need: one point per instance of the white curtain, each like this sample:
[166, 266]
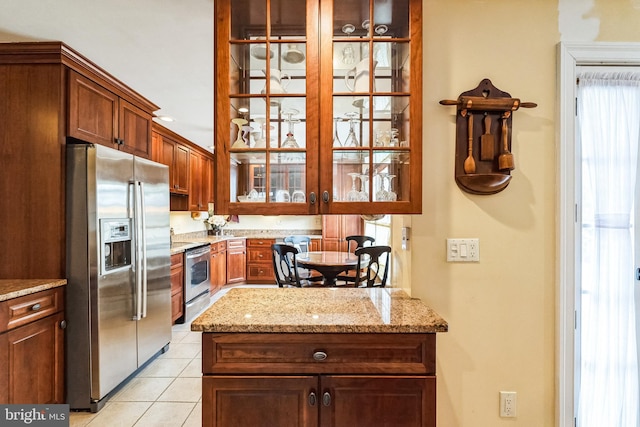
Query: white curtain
[609, 126]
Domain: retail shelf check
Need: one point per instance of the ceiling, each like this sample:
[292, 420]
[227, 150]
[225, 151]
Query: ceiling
[163, 49]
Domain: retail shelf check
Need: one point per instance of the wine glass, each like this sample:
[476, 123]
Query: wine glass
[290, 141]
[336, 138]
[381, 193]
[353, 195]
[352, 139]
[364, 192]
[348, 53]
[391, 195]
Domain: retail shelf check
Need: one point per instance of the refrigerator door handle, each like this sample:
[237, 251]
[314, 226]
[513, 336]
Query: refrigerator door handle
[143, 227]
[138, 256]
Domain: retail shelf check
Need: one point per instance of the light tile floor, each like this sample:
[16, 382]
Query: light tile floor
[167, 392]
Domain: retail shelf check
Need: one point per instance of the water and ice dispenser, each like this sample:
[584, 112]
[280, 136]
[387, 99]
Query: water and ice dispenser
[116, 244]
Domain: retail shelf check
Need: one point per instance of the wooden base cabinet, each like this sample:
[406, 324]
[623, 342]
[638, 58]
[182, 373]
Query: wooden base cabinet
[236, 260]
[32, 348]
[326, 380]
[218, 266]
[259, 261]
[177, 286]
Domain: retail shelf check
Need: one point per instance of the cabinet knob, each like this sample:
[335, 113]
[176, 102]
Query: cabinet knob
[319, 356]
[36, 307]
[325, 196]
[326, 399]
[63, 324]
[312, 198]
[312, 399]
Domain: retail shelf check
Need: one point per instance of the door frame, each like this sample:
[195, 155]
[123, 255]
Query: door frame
[570, 55]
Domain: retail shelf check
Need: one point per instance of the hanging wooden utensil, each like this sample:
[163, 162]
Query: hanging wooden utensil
[487, 141]
[469, 162]
[505, 160]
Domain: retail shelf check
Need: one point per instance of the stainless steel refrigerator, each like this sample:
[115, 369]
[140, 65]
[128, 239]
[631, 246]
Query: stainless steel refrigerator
[118, 269]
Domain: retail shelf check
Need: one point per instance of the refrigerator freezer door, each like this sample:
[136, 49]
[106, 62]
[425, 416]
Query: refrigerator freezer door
[101, 335]
[154, 327]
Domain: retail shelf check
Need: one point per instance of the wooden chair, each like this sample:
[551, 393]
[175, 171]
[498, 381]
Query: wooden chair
[285, 265]
[303, 244]
[373, 266]
[360, 242]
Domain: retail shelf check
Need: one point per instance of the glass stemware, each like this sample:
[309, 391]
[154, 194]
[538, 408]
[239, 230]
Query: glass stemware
[353, 195]
[381, 193]
[352, 139]
[290, 141]
[348, 53]
[391, 195]
[364, 192]
[336, 138]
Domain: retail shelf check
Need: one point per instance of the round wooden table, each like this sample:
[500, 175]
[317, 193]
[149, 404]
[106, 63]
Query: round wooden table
[328, 263]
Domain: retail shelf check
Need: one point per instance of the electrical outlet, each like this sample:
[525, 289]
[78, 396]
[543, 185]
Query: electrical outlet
[463, 250]
[508, 401]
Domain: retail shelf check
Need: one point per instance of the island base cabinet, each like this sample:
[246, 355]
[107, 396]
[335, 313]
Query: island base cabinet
[319, 379]
[259, 401]
[325, 401]
[362, 401]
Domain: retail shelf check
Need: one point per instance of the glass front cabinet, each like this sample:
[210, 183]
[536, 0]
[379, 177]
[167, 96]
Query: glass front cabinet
[318, 106]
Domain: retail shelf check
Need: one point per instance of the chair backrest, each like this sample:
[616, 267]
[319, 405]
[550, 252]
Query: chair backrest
[285, 265]
[302, 243]
[361, 241]
[373, 261]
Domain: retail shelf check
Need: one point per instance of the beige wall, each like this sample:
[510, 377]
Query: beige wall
[500, 310]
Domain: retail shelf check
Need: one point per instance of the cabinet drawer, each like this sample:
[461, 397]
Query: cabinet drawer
[176, 260]
[236, 243]
[29, 308]
[261, 272]
[219, 246]
[318, 353]
[259, 254]
[260, 243]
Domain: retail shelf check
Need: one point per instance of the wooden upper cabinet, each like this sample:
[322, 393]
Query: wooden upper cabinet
[190, 168]
[99, 116]
[196, 202]
[134, 130]
[93, 111]
[324, 98]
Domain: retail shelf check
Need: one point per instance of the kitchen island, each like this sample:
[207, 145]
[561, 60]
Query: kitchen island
[319, 357]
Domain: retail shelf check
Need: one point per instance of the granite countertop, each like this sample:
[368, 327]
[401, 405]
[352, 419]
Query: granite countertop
[181, 243]
[319, 310]
[13, 288]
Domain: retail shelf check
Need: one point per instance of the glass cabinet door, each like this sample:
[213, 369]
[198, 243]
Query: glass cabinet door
[264, 109]
[318, 106]
[374, 121]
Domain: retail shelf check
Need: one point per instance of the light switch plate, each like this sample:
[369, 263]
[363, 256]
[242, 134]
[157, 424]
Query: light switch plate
[463, 250]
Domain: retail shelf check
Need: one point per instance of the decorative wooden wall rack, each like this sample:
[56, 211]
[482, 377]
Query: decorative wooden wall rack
[484, 160]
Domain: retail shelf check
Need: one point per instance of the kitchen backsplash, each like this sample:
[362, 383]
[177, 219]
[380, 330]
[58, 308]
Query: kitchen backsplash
[183, 223]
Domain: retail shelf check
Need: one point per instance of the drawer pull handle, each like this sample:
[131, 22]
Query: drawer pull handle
[36, 307]
[312, 399]
[319, 356]
[326, 398]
